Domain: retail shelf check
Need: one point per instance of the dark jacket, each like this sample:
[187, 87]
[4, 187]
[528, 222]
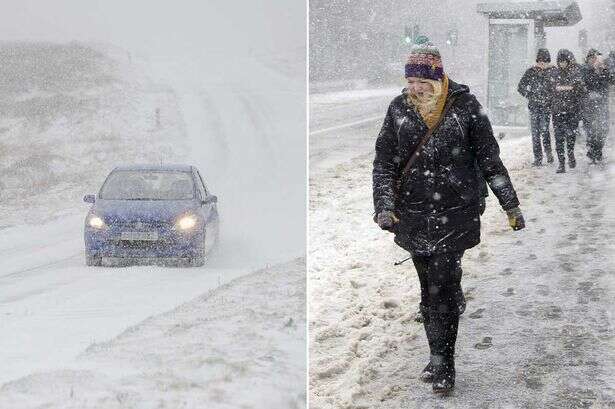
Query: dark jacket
[595, 107]
[596, 82]
[537, 86]
[568, 101]
[438, 200]
[610, 64]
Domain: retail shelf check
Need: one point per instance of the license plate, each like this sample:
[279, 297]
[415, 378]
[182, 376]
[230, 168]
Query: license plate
[139, 235]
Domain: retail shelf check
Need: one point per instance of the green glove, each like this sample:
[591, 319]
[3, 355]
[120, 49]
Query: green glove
[515, 218]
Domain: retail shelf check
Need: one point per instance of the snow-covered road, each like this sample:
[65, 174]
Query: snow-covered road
[240, 345]
[52, 307]
[339, 122]
[538, 331]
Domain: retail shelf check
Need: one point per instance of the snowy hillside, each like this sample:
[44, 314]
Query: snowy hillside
[70, 113]
[240, 345]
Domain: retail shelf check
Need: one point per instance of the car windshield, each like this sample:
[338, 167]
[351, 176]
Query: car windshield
[147, 185]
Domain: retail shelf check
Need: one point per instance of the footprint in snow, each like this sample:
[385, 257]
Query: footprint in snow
[506, 272]
[477, 314]
[543, 290]
[567, 267]
[509, 291]
[532, 256]
[486, 343]
[572, 236]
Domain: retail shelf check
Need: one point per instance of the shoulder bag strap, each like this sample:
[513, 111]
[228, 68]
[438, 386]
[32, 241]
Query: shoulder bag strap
[426, 138]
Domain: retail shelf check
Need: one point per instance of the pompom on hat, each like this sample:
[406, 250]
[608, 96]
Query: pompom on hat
[424, 61]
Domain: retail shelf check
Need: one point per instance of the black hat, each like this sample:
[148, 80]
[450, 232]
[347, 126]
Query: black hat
[565, 55]
[543, 55]
[592, 53]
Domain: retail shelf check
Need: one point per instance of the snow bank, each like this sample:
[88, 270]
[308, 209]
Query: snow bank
[241, 345]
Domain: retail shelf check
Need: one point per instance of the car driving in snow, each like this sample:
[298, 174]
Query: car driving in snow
[148, 213]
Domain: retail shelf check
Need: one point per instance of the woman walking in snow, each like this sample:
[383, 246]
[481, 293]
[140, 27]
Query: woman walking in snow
[568, 92]
[434, 143]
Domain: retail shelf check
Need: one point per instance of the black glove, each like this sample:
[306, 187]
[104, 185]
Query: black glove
[386, 220]
[515, 218]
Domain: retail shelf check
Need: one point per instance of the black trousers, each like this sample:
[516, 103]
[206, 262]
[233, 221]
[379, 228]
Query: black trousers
[566, 127]
[440, 278]
[596, 125]
[540, 118]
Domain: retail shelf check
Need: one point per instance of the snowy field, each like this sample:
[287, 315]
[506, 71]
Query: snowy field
[241, 345]
[72, 112]
[538, 330]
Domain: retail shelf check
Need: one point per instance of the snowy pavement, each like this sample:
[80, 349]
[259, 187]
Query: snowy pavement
[241, 345]
[538, 330]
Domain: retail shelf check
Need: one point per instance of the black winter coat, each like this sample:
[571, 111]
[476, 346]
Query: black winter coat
[438, 199]
[568, 101]
[537, 86]
[596, 101]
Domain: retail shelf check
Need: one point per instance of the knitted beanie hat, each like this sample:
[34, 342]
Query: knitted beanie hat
[425, 61]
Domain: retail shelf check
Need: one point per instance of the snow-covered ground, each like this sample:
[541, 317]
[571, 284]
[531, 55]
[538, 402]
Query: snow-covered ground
[71, 113]
[241, 345]
[538, 331]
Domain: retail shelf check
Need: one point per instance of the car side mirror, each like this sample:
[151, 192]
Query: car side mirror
[89, 198]
[210, 199]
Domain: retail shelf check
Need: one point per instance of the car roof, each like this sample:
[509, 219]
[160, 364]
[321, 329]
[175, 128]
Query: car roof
[165, 167]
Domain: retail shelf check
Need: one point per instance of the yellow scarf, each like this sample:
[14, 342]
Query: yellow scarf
[431, 106]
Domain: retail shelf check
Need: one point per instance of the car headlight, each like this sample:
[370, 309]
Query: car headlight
[96, 222]
[186, 222]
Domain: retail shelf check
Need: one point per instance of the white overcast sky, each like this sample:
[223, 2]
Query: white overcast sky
[157, 25]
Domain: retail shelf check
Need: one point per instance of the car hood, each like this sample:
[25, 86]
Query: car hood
[143, 210]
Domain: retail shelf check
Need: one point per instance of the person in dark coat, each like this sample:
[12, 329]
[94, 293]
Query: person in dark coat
[432, 204]
[596, 103]
[610, 63]
[536, 85]
[568, 93]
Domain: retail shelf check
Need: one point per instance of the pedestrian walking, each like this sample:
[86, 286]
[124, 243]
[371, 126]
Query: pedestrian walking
[568, 92]
[610, 63]
[536, 85]
[596, 103]
[435, 146]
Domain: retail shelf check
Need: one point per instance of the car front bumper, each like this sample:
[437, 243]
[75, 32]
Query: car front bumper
[170, 244]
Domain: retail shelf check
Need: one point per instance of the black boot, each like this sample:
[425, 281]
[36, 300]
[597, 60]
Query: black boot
[572, 162]
[561, 168]
[443, 328]
[427, 372]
